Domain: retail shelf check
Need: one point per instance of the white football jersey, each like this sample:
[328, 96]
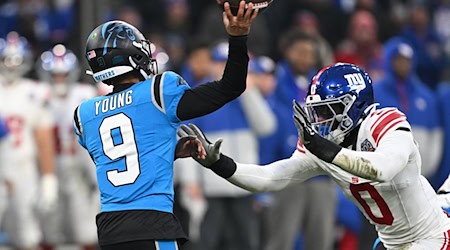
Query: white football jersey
[403, 208]
[24, 106]
[67, 148]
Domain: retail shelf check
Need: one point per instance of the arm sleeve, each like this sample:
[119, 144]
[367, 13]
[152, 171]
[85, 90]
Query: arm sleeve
[277, 175]
[384, 163]
[260, 116]
[208, 97]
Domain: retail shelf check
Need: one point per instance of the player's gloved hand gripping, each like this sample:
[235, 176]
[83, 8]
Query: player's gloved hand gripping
[239, 25]
[317, 145]
[212, 150]
[221, 164]
[189, 146]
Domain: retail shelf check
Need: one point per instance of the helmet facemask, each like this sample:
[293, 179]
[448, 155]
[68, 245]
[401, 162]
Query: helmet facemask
[145, 69]
[329, 118]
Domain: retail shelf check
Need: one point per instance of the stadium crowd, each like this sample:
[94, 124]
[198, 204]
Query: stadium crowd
[403, 44]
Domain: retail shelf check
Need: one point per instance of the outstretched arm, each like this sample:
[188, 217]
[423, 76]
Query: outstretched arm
[208, 97]
[275, 176]
[272, 177]
[390, 157]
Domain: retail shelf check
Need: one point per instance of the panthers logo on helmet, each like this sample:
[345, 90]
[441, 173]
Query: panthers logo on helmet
[116, 32]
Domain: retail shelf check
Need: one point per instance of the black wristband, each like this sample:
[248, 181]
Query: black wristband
[323, 148]
[224, 167]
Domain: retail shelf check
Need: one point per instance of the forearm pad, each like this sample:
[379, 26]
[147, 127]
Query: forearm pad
[224, 167]
[323, 148]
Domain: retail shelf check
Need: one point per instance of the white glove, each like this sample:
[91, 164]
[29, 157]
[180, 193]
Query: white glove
[48, 193]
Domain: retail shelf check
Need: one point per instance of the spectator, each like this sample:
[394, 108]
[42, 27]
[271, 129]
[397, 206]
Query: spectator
[313, 210]
[426, 44]
[230, 221]
[43, 23]
[361, 47]
[307, 22]
[210, 29]
[402, 88]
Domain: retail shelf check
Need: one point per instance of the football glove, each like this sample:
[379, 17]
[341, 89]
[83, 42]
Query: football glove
[304, 128]
[212, 149]
[317, 145]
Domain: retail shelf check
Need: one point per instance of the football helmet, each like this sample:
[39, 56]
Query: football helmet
[338, 99]
[116, 48]
[58, 66]
[15, 56]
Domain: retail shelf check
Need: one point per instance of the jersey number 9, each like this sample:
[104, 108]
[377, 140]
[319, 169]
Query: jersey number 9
[125, 148]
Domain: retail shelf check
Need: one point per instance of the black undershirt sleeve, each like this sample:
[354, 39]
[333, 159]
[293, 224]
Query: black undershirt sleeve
[209, 97]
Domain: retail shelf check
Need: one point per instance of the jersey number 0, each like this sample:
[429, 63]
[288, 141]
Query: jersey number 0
[125, 148]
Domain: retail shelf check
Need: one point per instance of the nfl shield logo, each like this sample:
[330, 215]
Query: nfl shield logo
[367, 146]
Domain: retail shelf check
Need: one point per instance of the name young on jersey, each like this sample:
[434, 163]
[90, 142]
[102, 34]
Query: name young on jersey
[114, 102]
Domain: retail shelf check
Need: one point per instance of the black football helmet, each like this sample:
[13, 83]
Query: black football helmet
[116, 48]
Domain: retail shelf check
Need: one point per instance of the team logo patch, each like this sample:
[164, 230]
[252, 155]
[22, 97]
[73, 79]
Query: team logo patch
[367, 146]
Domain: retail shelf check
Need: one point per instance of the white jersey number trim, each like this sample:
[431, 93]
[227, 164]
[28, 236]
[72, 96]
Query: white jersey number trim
[127, 148]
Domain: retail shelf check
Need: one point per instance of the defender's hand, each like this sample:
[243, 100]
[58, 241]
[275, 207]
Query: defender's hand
[304, 129]
[189, 146]
[239, 25]
[212, 150]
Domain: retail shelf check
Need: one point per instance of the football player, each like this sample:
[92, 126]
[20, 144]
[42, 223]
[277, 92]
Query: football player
[76, 172]
[24, 104]
[369, 152]
[131, 133]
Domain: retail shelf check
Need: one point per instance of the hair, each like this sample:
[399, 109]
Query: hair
[198, 43]
[293, 36]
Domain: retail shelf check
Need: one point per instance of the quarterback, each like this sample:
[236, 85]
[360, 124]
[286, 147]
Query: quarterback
[369, 152]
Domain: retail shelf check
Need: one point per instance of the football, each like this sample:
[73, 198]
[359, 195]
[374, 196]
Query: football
[234, 4]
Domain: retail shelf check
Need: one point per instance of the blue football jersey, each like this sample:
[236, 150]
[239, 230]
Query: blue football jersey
[131, 136]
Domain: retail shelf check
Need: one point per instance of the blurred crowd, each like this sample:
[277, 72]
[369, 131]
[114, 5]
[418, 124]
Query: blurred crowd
[403, 44]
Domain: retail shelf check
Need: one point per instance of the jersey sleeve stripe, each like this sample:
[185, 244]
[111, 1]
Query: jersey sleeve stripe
[389, 128]
[156, 92]
[384, 122]
[381, 114]
[77, 121]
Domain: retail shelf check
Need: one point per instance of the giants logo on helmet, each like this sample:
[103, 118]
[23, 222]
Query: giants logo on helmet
[355, 81]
